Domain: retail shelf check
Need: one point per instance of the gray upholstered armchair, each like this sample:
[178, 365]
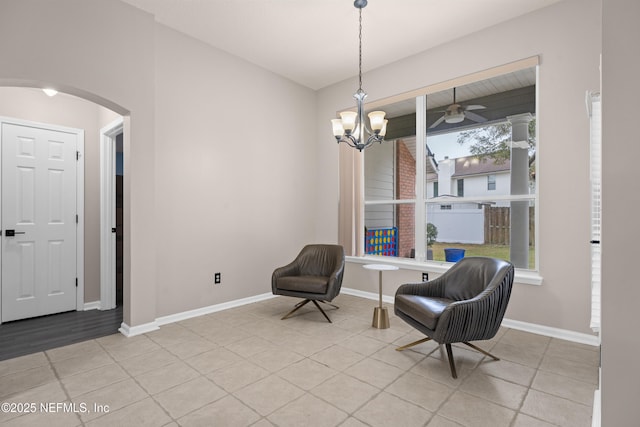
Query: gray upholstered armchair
[315, 275]
[466, 303]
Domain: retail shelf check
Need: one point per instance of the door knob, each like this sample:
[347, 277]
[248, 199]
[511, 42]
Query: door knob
[11, 233]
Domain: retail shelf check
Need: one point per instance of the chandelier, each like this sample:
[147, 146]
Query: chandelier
[351, 128]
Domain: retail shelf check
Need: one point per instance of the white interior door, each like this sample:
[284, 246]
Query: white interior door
[39, 204]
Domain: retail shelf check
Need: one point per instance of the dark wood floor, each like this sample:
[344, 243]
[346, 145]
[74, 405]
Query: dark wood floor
[27, 336]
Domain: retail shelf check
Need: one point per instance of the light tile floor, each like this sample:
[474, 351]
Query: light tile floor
[245, 366]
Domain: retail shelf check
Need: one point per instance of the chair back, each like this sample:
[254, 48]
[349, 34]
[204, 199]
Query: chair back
[471, 276]
[320, 260]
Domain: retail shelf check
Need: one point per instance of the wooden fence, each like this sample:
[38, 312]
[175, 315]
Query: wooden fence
[497, 225]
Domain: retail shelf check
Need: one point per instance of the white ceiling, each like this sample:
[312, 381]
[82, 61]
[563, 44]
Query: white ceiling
[315, 42]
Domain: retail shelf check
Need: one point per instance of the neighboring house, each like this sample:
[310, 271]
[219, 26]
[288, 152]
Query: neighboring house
[469, 176]
[390, 173]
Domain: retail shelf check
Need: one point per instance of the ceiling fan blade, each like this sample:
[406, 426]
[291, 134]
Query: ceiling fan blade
[437, 122]
[475, 117]
[474, 107]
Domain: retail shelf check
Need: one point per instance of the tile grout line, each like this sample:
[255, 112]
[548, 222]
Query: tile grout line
[61, 383]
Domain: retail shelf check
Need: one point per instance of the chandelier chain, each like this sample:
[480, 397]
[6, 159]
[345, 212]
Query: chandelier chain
[360, 52]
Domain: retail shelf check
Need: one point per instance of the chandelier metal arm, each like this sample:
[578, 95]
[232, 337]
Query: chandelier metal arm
[354, 142]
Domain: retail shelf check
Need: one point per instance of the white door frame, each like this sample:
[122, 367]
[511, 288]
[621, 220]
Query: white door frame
[108, 213]
[79, 199]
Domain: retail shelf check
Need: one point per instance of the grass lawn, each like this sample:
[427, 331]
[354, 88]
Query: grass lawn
[494, 251]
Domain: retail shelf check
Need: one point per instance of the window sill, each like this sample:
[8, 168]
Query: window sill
[526, 277]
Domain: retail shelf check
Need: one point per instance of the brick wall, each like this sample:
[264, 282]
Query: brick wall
[406, 184]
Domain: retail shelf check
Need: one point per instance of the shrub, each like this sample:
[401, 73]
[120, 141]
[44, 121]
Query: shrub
[432, 234]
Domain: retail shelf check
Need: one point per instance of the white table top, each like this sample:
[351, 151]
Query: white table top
[380, 267]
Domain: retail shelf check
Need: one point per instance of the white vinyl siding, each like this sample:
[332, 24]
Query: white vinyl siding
[379, 172]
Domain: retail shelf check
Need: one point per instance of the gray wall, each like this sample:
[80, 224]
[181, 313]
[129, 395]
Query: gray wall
[233, 195]
[621, 200]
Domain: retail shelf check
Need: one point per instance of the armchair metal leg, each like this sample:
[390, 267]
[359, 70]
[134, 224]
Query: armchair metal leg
[297, 306]
[481, 350]
[322, 311]
[404, 347]
[302, 304]
[328, 303]
[452, 364]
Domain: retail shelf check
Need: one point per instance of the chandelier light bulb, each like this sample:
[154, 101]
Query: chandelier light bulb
[348, 120]
[376, 119]
[338, 130]
[383, 131]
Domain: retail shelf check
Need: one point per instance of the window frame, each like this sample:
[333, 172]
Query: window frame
[528, 276]
[460, 187]
[491, 182]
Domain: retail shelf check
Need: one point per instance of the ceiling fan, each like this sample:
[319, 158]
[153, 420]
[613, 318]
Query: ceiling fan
[455, 113]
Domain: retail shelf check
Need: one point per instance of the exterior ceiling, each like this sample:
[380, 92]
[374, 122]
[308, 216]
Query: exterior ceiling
[503, 96]
[466, 93]
[315, 42]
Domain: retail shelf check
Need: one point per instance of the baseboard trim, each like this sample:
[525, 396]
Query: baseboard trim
[164, 320]
[368, 295]
[93, 305]
[596, 418]
[132, 331]
[548, 331]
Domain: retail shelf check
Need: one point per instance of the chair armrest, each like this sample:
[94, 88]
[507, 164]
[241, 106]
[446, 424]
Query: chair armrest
[432, 288]
[335, 282]
[290, 269]
[337, 274]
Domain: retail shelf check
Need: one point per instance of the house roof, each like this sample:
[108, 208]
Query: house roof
[473, 165]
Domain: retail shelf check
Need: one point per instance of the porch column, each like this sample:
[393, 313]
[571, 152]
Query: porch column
[519, 241]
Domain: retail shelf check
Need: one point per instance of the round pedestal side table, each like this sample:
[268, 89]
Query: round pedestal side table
[380, 313]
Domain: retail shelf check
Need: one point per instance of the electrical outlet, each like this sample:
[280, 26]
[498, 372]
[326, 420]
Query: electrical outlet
[217, 278]
[425, 277]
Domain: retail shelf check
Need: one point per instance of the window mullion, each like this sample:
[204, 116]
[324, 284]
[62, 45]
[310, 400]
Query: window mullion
[420, 207]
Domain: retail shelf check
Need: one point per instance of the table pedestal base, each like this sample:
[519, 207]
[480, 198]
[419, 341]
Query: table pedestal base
[380, 318]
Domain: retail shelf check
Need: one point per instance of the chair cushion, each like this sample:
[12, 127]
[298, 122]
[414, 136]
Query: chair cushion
[310, 284]
[425, 310]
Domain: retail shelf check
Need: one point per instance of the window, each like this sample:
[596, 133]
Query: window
[491, 182]
[462, 176]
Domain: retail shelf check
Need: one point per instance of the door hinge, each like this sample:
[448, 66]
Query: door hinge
[77, 155]
[77, 219]
[76, 282]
